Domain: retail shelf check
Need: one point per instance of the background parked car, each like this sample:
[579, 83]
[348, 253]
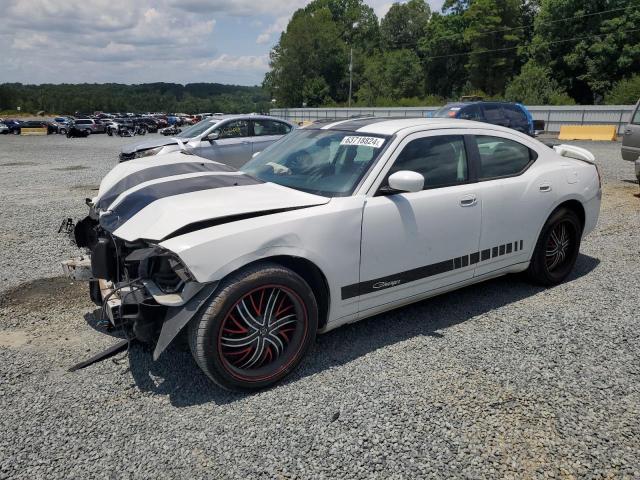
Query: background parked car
[14, 126]
[631, 140]
[94, 126]
[3, 128]
[231, 139]
[511, 115]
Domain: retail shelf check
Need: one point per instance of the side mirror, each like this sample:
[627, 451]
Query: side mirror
[406, 181]
[213, 136]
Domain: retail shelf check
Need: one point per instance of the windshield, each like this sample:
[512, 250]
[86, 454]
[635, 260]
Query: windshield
[197, 129]
[323, 162]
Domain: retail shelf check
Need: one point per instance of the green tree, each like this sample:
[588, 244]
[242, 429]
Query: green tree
[492, 34]
[404, 24]
[625, 92]
[393, 75]
[587, 50]
[442, 49]
[535, 86]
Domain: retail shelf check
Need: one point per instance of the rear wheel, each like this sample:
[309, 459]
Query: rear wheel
[557, 248]
[257, 329]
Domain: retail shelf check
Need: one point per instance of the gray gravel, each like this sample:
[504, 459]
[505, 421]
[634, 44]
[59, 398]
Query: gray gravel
[497, 380]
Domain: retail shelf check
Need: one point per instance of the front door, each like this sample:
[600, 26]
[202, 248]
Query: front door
[232, 147]
[421, 241]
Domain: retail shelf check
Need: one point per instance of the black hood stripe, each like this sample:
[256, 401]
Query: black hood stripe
[155, 173]
[136, 201]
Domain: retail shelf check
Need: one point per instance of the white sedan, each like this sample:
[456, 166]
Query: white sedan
[332, 224]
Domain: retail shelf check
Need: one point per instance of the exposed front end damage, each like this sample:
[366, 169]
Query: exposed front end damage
[139, 286]
[145, 288]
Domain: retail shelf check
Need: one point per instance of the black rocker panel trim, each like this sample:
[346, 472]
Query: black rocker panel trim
[419, 273]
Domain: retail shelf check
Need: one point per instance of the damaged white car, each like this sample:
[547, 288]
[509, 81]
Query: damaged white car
[334, 223]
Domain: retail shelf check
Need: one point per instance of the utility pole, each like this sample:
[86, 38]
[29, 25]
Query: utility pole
[350, 75]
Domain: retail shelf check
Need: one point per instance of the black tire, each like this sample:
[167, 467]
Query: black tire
[88, 132]
[557, 248]
[231, 361]
[110, 132]
[16, 132]
[62, 131]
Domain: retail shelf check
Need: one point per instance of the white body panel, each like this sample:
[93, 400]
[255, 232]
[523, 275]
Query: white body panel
[360, 238]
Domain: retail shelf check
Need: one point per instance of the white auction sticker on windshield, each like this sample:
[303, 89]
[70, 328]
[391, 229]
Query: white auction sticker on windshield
[373, 142]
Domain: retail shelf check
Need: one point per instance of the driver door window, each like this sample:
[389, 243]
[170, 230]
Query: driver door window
[441, 160]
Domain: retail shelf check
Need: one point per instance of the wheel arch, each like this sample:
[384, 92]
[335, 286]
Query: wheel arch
[575, 206]
[311, 273]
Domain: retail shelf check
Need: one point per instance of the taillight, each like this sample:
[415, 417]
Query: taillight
[452, 113]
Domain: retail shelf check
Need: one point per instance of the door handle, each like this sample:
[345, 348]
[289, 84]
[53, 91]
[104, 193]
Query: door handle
[627, 131]
[469, 201]
[545, 187]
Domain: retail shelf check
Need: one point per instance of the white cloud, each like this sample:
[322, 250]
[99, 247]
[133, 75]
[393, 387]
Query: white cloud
[227, 62]
[276, 27]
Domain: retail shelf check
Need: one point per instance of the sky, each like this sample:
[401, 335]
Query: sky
[140, 41]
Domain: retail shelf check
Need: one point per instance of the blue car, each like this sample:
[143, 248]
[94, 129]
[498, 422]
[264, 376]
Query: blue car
[505, 114]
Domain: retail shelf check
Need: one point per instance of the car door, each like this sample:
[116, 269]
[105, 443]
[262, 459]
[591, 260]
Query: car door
[631, 137]
[267, 131]
[516, 198]
[493, 114]
[416, 242]
[231, 146]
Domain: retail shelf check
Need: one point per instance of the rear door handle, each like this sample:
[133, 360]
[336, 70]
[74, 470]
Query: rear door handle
[545, 187]
[468, 201]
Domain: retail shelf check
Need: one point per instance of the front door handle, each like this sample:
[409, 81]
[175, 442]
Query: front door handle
[468, 201]
[627, 131]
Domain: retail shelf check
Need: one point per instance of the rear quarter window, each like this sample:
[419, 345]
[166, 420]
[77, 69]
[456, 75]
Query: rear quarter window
[501, 157]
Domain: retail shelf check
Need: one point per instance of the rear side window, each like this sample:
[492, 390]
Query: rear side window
[514, 114]
[636, 117]
[442, 160]
[270, 127]
[83, 122]
[493, 113]
[501, 157]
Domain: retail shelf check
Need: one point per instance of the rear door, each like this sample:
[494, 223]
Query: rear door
[516, 198]
[266, 131]
[493, 113]
[233, 145]
[631, 137]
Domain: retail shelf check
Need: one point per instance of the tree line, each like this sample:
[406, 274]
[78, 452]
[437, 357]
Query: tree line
[112, 97]
[532, 51]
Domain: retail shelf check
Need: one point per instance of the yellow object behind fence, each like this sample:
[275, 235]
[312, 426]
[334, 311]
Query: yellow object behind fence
[588, 132]
[33, 131]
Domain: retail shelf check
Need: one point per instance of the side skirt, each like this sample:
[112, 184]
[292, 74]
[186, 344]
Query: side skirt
[519, 267]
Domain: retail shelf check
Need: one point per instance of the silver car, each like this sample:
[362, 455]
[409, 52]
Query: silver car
[631, 140]
[230, 139]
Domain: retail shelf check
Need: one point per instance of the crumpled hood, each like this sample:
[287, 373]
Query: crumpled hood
[152, 143]
[152, 198]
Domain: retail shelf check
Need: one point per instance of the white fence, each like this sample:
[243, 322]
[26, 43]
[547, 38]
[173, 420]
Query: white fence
[554, 117]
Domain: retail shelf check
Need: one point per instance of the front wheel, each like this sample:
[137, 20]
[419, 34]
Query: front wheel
[557, 248]
[256, 329]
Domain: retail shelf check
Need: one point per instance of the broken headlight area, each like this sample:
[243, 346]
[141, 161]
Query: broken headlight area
[135, 283]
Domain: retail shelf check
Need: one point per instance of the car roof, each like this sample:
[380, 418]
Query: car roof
[245, 116]
[391, 126]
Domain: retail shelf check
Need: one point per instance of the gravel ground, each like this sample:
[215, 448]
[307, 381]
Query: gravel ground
[497, 380]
